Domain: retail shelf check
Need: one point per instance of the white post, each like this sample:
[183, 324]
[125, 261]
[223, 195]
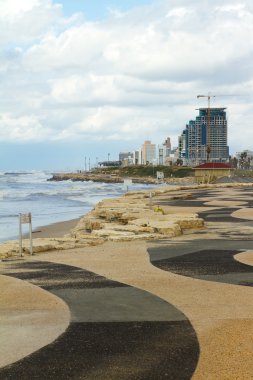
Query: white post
[30, 229]
[20, 237]
[150, 201]
[24, 219]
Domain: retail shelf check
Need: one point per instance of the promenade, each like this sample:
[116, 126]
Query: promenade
[176, 308]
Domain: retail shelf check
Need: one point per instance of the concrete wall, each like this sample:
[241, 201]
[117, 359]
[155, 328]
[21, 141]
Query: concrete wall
[208, 175]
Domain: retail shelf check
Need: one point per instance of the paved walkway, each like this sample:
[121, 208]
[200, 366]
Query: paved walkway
[116, 331]
[175, 309]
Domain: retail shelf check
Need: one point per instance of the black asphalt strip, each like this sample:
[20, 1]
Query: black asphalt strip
[208, 264]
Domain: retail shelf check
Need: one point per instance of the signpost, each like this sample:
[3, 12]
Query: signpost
[160, 175]
[150, 200]
[25, 219]
[127, 183]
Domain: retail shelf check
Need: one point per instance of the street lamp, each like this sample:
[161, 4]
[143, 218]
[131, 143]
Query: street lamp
[154, 162]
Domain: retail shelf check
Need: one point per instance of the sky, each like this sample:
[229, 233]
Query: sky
[87, 78]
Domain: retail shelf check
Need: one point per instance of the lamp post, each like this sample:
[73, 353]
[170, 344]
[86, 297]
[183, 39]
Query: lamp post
[85, 165]
[154, 162]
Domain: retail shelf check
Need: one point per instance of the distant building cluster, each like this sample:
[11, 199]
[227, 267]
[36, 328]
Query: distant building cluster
[202, 141]
[150, 154]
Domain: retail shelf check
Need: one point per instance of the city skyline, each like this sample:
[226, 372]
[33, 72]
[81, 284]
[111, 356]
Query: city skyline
[84, 79]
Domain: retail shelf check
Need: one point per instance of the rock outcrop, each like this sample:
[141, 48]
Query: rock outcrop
[129, 217]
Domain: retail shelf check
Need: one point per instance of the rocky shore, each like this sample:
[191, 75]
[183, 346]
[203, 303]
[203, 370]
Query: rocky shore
[202, 273]
[126, 218]
[134, 216]
[114, 178]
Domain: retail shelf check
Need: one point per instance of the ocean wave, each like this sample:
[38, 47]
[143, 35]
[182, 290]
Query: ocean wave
[7, 216]
[25, 177]
[48, 201]
[16, 173]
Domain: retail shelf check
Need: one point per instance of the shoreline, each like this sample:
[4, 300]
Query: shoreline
[113, 178]
[57, 229]
[219, 312]
[131, 217]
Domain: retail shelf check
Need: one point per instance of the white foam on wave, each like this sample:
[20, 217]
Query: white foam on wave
[48, 201]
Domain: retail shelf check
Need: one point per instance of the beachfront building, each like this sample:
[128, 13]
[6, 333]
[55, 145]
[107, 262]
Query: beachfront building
[167, 144]
[164, 152]
[136, 158]
[210, 171]
[206, 137]
[182, 147]
[126, 158]
[161, 154]
[147, 153]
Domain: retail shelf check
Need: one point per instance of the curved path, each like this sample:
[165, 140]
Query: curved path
[210, 260]
[205, 284]
[30, 318]
[245, 257]
[116, 331]
[221, 314]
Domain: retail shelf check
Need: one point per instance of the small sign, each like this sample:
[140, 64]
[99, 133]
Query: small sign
[128, 182]
[160, 175]
[25, 218]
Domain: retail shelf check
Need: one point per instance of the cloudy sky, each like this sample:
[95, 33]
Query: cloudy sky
[84, 78]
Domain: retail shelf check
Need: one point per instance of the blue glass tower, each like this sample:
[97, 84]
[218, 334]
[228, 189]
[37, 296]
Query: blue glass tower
[207, 132]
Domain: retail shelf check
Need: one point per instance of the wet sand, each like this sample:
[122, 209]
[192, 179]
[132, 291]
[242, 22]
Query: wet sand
[58, 229]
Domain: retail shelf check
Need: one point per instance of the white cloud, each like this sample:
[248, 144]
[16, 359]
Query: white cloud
[14, 8]
[132, 76]
[179, 12]
[22, 129]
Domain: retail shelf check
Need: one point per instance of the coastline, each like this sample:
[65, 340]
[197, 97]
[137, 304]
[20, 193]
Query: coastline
[130, 217]
[112, 219]
[58, 229]
[114, 178]
[220, 312]
[221, 323]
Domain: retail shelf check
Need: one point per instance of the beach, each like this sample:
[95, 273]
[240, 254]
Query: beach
[58, 229]
[49, 201]
[215, 296]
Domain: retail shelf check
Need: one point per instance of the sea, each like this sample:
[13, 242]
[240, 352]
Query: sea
[48, 201]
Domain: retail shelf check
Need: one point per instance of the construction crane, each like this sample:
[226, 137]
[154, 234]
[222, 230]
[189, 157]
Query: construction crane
[208, 147]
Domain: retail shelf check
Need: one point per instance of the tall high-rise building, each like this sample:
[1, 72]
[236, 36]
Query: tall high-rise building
[162, 154]
[148, 151]
[206, 137]
[182, 147]
[167, 143]
[164, 151]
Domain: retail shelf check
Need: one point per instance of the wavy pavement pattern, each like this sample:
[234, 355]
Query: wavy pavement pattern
[116, 331]
[211, 260]
[212, 264]
[27, 310]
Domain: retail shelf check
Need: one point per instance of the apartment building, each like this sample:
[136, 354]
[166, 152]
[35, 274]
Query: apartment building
[206, 137]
